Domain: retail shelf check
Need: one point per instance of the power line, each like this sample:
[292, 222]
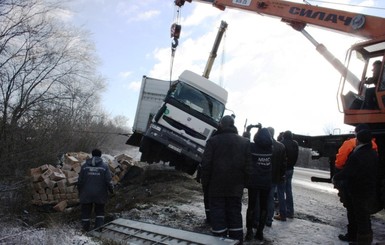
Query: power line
[347, 4]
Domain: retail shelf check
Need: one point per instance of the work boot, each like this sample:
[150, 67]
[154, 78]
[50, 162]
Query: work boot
[249, 235]
[280, 217]
[86, 226]
[99, 221]
[207, 221]
[347, 237]
[364, 239]
[259, 235]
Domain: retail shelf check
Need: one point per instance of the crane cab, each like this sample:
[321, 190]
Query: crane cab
[362, 87]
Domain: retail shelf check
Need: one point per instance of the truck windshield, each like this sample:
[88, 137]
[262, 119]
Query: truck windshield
[197, 100]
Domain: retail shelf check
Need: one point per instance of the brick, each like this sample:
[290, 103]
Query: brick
[62, 184]
[70, 173]
[37, 202]
[67, 167]
[46, 174]
[60, 206]
[43, 197]
[57, 175]
[35, 171]
[70, 189]
[36, 196]
[123, 157]
[48, 191]
[68, 159]
[50, 197]
[38, 186]
[72, 181]
[49, 183]
[82, 156]
[76, 167]
[44, 167]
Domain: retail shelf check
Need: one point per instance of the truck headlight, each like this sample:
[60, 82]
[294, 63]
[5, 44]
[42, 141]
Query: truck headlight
[200, 150]
[155, 127]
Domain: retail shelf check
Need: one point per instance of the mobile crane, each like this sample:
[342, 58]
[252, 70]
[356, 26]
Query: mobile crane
[359, 59]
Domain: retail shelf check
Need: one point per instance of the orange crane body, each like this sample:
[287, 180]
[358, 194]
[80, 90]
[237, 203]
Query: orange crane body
[359, 60]
[347, 22]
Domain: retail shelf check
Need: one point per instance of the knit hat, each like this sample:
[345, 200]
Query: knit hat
[96, 153]
[360, 127]
[226, 122]
[288, 135]
[364, 136]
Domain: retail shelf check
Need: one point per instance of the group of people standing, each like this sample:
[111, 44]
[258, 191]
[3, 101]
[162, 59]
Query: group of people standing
[265, 167]
[231, 163]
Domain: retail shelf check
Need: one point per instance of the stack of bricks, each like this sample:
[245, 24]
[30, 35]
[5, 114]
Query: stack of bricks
[119, 167]
[50, 186]
[57, 185]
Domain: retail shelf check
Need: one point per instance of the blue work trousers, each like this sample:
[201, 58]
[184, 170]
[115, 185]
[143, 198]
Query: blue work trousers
[289, 193]
[280, 189]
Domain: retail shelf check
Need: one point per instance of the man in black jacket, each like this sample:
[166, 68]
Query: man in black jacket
[225, 166]
[93, 184]
[292, 151]
[259, 183]
[359, 176]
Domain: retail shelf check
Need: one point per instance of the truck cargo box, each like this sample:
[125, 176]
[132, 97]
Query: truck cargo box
[152, 93]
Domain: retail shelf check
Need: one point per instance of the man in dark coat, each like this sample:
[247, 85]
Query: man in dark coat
[359, 176]
[278, 170]
[292, 151]
[225, 166]
[259, 183]
[94, 182]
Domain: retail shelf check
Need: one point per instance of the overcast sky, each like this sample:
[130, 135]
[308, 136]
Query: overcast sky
[273, 74]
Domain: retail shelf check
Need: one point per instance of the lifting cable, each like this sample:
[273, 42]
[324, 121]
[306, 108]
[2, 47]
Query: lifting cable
[175, 32]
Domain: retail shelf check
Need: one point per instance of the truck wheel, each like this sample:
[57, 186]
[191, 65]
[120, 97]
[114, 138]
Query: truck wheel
[177, 162]
[145, 149]
[190, 167]
[143, 157]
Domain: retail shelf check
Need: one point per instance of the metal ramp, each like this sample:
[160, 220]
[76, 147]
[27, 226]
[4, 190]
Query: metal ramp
[132, 232]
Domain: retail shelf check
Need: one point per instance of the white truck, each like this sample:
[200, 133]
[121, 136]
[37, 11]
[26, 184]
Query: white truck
[174, 119]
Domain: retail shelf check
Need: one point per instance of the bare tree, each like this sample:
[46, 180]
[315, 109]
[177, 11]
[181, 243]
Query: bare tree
[331, 129]
[49, 86]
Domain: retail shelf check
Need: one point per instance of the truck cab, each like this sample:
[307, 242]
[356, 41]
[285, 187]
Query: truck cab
[187, 118]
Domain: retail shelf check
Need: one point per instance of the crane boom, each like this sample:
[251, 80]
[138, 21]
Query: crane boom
[366, 26]
[213, 53]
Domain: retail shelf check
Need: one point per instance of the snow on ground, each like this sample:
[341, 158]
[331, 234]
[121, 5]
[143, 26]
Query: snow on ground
[169, 198]
[319, 216]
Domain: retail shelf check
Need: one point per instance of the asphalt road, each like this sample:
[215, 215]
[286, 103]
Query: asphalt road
[318, 202]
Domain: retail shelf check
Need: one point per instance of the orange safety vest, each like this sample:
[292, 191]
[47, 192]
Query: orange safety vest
[345, 149]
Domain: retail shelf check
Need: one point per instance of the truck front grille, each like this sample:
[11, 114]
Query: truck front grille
[180, 126]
